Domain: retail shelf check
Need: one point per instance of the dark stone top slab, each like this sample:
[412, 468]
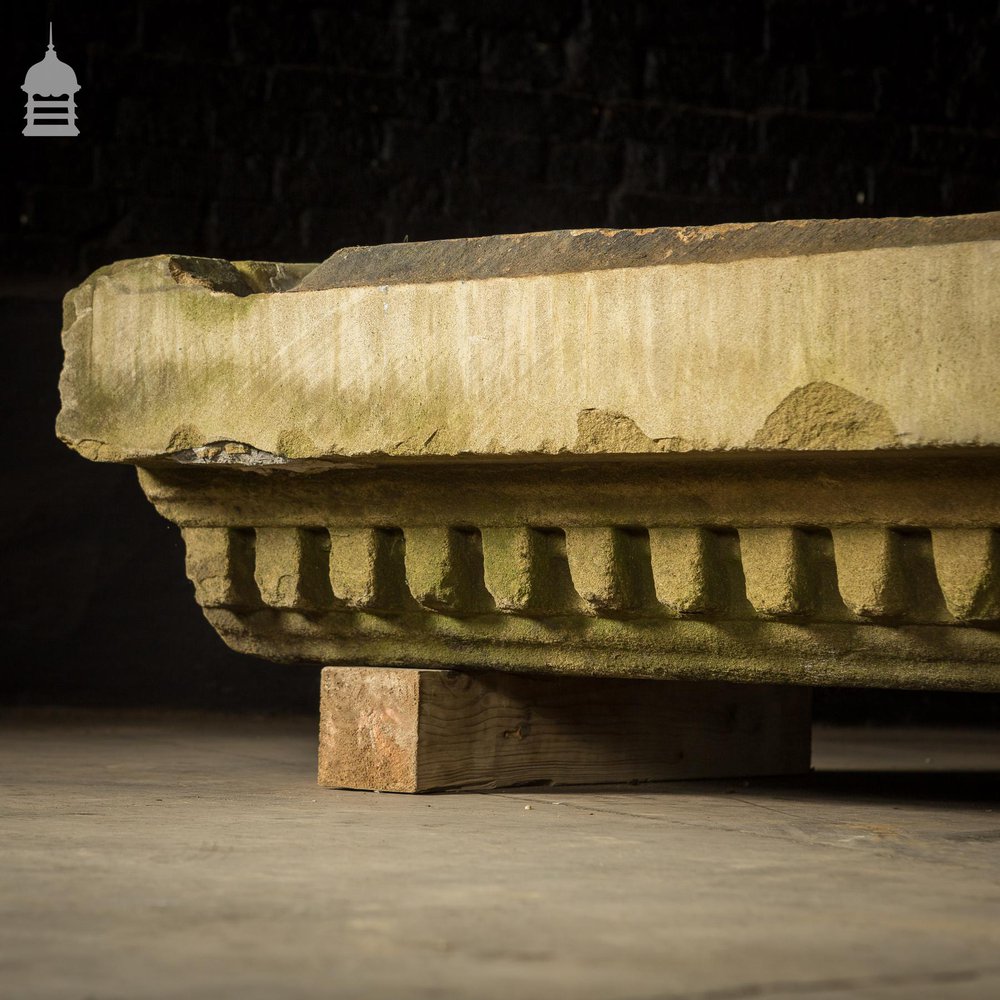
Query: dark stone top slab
[570, 250]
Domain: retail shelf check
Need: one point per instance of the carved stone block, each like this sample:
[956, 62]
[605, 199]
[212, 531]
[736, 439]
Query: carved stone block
[745, 453]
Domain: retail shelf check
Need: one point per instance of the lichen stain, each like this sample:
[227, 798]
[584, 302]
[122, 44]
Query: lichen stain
[821, 416]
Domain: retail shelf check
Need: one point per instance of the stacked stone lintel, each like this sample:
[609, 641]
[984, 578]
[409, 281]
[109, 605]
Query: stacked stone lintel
[765, 453]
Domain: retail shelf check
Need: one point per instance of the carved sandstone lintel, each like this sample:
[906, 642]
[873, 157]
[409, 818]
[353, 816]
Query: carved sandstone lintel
[757, 453]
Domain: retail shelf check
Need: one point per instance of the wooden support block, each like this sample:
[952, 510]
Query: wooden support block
[399, 730]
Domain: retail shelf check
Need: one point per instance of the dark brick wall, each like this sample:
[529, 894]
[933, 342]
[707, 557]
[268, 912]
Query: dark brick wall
[286, 130]
[283, 130]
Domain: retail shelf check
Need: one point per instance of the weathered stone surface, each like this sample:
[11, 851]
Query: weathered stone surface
[864, 334]
[766, 453]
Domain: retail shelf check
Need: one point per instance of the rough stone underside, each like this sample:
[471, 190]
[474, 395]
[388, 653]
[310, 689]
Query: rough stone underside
[760, 453]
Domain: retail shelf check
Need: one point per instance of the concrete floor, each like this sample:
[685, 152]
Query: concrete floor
[190, 858]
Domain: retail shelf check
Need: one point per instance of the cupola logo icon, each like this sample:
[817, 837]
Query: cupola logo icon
[51, 87]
